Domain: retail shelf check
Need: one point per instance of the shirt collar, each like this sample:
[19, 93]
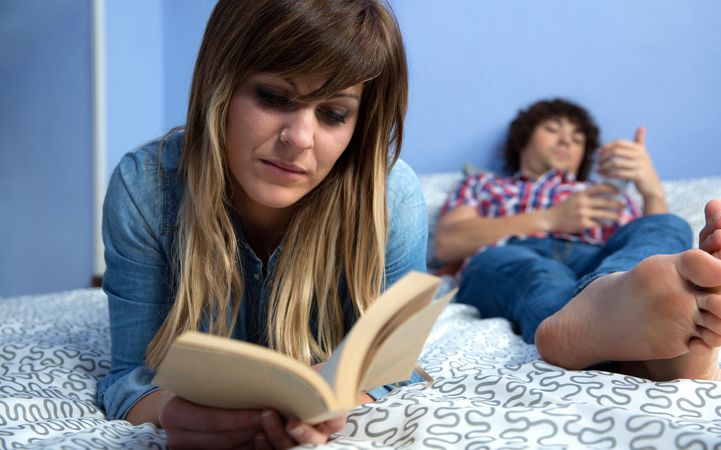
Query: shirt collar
[247, 250]
[562, 175]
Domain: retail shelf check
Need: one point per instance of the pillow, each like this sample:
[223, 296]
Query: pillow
[472, 169]
[435, 190]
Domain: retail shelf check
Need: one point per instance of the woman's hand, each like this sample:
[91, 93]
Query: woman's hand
[304, 433]
[188, 425]
[629, 160]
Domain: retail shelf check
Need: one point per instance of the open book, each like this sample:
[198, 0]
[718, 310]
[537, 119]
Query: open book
[381, 348]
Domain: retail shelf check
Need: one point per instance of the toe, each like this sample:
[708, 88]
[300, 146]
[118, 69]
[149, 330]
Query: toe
[711, 241]
[710, 322]
[700, 268]
[709, 338]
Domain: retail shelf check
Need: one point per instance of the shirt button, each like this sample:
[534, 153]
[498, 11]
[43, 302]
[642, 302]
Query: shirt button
[256, 276]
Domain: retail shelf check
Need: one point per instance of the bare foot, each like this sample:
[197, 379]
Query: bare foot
[653, 312]
[702, 361]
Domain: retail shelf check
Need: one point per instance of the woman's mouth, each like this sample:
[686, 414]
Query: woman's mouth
[283, 169]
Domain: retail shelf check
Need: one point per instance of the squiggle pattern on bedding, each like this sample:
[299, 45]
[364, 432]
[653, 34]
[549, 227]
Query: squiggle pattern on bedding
[490, 391]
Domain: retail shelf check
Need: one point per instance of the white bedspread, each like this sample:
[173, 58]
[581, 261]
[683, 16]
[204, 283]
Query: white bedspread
[490, 392]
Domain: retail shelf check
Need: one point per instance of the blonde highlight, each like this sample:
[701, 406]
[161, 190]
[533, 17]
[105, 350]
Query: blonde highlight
[337, 234]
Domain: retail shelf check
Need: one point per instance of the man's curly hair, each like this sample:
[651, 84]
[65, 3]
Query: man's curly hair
[521, 129]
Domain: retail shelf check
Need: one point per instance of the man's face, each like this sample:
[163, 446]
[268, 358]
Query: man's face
[556, 143]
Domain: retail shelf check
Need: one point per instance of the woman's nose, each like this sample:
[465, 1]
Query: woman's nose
[299, 131]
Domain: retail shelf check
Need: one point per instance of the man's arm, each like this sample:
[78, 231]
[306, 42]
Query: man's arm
[461, 232]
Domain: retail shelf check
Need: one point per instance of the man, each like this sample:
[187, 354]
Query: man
[544, 246]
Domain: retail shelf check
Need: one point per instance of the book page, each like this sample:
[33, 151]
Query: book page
[395, 357]
[329, 371]
[225, 373]
[401, 300]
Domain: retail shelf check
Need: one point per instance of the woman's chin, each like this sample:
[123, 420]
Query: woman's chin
[278, 200]
[267, 195]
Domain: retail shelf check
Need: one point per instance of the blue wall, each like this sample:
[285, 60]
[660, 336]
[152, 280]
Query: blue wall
[474, 63]
[45, 151]
[134, 74]
[46, 121]
[184, 25]
[150, 50]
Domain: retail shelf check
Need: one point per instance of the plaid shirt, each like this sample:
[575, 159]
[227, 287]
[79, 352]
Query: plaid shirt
[494, 196]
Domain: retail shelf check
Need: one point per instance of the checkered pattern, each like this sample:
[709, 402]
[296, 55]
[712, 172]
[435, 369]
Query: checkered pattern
[494, 196]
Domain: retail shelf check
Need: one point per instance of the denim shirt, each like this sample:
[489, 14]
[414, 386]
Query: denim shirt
[139, 225]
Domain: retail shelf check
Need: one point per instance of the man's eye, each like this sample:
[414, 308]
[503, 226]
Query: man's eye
[272, 98]
[332, 117]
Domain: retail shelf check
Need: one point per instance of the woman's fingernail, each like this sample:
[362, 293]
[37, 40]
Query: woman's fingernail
[296, 432]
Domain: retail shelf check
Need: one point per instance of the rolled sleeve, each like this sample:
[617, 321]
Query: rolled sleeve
[121, 390]
[381, 391]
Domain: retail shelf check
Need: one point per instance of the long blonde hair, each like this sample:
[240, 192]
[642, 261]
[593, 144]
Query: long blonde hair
[338, 231]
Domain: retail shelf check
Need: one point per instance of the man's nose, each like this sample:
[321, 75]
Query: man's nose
[564, 137]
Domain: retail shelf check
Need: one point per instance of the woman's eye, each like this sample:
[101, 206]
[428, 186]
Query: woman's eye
[332, 117]
[273, 98]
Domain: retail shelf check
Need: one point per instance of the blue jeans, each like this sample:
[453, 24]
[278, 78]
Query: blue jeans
[527, 280]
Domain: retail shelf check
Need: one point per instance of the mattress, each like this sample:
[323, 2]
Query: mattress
[490, 390]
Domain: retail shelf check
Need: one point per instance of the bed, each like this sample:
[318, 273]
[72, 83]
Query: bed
[490, 389]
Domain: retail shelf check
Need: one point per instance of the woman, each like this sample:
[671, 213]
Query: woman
[276, 216]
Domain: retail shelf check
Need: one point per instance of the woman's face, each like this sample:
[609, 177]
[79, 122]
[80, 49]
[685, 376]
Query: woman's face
[556, 143]
[279, 149]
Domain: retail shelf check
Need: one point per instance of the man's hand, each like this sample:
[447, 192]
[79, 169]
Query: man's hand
[585, 209]
[629, 160]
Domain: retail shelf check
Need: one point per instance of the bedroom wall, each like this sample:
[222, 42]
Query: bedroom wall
[46, 183]
[184, 25]
[45, 150]
[134, 74]
[150, 50]
[474, 63]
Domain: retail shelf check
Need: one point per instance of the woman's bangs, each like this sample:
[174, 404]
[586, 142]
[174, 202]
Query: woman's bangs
[344, 49]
